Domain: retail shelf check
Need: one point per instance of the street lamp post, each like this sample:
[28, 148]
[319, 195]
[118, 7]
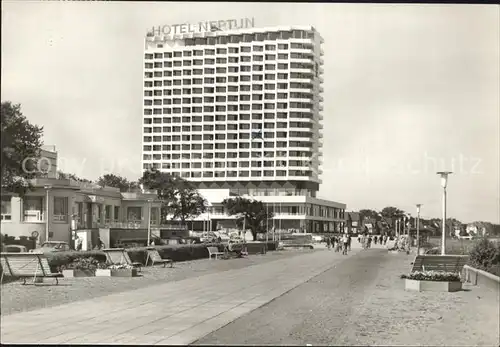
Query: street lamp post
[149, 222]
[47, 188]
[267, 223]
[444, 182]
[418, 228]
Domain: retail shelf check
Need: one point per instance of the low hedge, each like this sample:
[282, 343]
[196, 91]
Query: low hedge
[59, 259]
[260, 247]
[180, 252]
[175, 252]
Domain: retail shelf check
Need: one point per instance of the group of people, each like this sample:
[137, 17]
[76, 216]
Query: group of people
[339, 243]
[366, 240]
[79, 244]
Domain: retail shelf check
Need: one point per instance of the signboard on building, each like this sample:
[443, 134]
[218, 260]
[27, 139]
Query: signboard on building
[207, 26]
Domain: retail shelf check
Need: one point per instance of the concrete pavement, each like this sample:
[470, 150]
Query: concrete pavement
[363, 302]
[175, 313]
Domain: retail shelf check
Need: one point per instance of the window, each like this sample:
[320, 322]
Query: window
[134, 214]
[155, 215]
[107, 213]
[33, 207]
[116, 213]
[6, 208]
[60, 209]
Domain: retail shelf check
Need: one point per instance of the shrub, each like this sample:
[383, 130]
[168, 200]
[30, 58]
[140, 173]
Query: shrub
[175, 252]
[485, 255]
[89, 263]
[438, 276]
[59, 259]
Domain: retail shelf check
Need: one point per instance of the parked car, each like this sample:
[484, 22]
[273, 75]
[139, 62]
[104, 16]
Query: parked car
[15, 249]
[52, 246]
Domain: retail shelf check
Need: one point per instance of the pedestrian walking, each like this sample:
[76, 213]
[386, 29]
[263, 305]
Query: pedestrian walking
[328, 243]
[344, 244]
[100, 244]
[369, 243]
[79, 243]
[349, 242]
[338, 245]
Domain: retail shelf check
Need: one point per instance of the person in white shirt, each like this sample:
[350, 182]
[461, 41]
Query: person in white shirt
[345, 241]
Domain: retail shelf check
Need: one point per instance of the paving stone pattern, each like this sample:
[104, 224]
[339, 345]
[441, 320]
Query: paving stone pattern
[174, 313]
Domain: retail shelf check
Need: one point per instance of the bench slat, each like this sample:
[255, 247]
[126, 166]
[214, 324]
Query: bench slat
[450, 263]
[26, 265]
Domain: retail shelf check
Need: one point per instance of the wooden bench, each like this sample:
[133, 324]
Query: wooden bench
[448, 263]
[26, 265]
[119, 256]
[214, 251]
[155, 258]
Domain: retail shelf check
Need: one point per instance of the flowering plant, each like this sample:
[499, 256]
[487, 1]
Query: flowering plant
[439, 276]
[119, 266]
[89, 263]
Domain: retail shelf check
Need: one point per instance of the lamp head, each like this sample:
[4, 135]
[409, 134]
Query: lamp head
[444, 177]
[418, 207]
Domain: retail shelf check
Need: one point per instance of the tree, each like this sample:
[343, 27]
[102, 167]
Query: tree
[253, 212]
[392, 212]
[366, 213]
[116, 181]
[179, 197]
[21, 141]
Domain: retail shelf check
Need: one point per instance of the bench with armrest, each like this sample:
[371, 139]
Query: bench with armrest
[27, 265]
[214, 251]
[448, 263]
[119, 256]
[155, 258]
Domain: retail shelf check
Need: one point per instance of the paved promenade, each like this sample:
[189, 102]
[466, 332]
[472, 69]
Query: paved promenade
[175, 313]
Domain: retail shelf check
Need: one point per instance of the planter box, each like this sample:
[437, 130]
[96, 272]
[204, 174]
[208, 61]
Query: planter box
[432, 286]
[78, 273]
[116, 273]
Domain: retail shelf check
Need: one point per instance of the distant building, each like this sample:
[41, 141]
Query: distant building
[61, 206]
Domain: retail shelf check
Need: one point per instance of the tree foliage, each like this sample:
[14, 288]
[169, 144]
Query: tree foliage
[392, 212]
[180, 198]
[485, 254]
[20, 140]
[253, 212]
[116, 181]
[367, 213]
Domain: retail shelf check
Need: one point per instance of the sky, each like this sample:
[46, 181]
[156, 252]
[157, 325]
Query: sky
[409, 90]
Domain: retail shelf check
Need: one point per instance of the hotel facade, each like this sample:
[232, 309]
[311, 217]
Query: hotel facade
[238, 111]
[56, 209]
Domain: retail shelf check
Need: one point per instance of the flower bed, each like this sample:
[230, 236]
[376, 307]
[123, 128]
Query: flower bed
[432, 276]
[116, 271]
[81, 267]
[436, 281]
[61, 260]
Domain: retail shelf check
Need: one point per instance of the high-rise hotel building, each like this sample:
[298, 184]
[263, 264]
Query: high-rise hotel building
[239, 112]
